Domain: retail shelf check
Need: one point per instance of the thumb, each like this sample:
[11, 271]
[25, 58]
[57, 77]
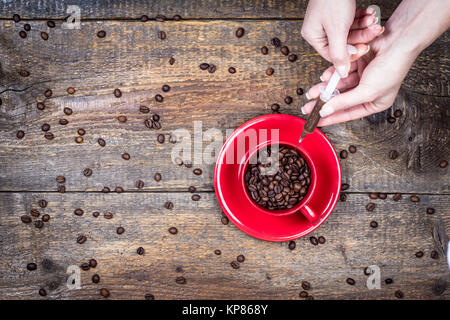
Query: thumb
[337, 43]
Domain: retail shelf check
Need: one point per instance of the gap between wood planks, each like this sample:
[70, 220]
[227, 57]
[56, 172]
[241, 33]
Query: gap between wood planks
[210, 191]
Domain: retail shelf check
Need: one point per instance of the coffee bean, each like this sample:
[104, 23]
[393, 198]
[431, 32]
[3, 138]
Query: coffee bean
[264, 50]
[48, 93]
[314, 241]
[195, 197]
[430, 211]
[322, 240]
[232, 70]
[275, 42]
[51, 24]
[149, 296]
[171, 61]
[374, 224]
[343, 154]
[68, 111]
[391, 119]
[42, 292]
[192, 189]
[42, 203]
[434, 255]
[63, 122]
[49, 136]
[168, 205]
[108, 215]
[87, 172]
[144, 18]
[291, 245]
[217, 252]
[398, 113]
[122, 119]
[38, 224]
[393, 154]
[27, 27]
[104, 293]
[352, 149]
[25, 219]
[85, 266]
[443, 164]
[180, 280]
[117, 93]
[396, 197]
[70, 90]
[240, 32]
[399, 294]
[306, 285]
[303, 294]
[101, 34]
[126, 156]
[140, 251]
[24, 73]
[78, 212]
[161, 35]
[345, 186]
[161, 138]
[370, 206]
[388, 281]
[343, 197]
[178, 161]
[31, 266]
[61, 189]
[120, 230]
[284, 50]
[23, 34]
[139, 184]
[275, 107]
[106, 190]
[176, 17]
[46, 218]
[157, 177]
[299, 91]
[224, 220]
[165, 88]
[81, 239]
[269, 71]
[173, 230]
[79, 139]
[40, 106]
[235, 264]
[419, 254]
[155, 117]
[144, 109]
[20, 134]
[204, 66]
[44, 36]
[159, 98]
[240, 258]
[351, 281]
[414, 198]
[382, 195]
[16, 17]
[60, 179]
[367, 272]
[292, 57]
[188, 164]
[101, 142]
[160, 18]
[198, 171]
[34, 213]
[288, 100]
[212, 68]
[95, 278]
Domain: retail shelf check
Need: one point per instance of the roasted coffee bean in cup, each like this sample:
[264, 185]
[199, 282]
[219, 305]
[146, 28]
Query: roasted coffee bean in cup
[282, 189]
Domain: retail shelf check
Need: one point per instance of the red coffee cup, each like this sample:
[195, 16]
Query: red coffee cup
[305, 216]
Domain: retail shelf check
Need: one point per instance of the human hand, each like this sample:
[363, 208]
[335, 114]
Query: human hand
[330, 25]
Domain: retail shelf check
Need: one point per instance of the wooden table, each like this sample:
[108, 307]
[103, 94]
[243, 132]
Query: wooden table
[133, 59]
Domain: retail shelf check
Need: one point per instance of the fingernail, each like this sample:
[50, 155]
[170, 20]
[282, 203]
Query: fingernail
[342, 70]
[367, 50]
[307, 96]
[326, 111]
[370, 10]
[376, 27]
[303, 110]
[371, 21]
[321, 78]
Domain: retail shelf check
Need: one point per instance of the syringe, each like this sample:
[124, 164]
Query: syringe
[325, 94]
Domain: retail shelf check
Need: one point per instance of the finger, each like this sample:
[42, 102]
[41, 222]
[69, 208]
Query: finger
[326, 75]
[347, 99]
[365, 35]
[344, 84]
[337, 44]
[363, 22]
[308, 107]
[364, 12]
[352, 113]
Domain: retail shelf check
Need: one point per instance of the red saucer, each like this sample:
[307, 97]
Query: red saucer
[236, 204]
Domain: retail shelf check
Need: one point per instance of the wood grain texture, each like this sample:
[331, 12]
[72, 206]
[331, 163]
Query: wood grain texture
[133, 59]
[270, 270]
[198, 9]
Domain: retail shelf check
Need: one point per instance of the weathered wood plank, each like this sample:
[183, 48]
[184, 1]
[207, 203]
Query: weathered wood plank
[198, 9]
[133, 59]
[270, 270]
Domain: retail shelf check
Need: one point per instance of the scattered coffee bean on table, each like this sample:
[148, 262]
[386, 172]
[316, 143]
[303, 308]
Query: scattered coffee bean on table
[48, 93]
[165, 88]
[393, 154]
[343, 197]
[49, 136]
[288, 100]
[81, 131]
[40, 106]
[24, 73]
[396, 197]
[443, 164]
[430, 211]
[374, 224]
[232, 70]
[95, 278]
[27, 27]
[120, 230]
[101, 142]
[314, 241]
[51, 24]
[118, 189]
[171, 60]
[44, 36]
[292, 57]
[179, 161]
[434, 255]
[78, 212]
[306, 285]
[192, 189]
[160, 18]
[161, 138]
[195, 197]
[79, 139]
[81, 239]
[68, 111]
[322, 240]
[212, 68]
[117, 93]
[352, 149]
[398, 113]
[291, 245]
[269, 71]
[351, 281]
[275, 107]
[87, 172]
[414, 198]
[149, 296]
[45, 127]
[63, 122]
[38, 224]
[20, 134]
[60, 179]
[95, 214]
[101, 34]
[198, 171]
[204, 66]
[370, 206]
[280, 190]
[108, 215]
[92, 263]
[419, 254]
[159, 98]
[31, 266]
[264, 50]
[180, 280]
[275, 42]
[240, 258]
[240, 32]
[144, 109]
[284, 50]
[235, 264]
[345, 186]
[299, 91]
[34, 213]
[140, 251]
[176, 17]
[399, 294]
[217, 252]
[343, 154]
[391, 119]
[106, 190]
[85, 266]
[122, 119]
[157, 177]
[23, 34]
[388, 281]
[70, 90]
[224, 220]
[139, 184]
[126, 156]
[25, 219]
[104, 292]
[16, 18]
[303, 294]
[61, 189]
[42, 203]
[42, 292]
[382, 196]
[168, 205]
